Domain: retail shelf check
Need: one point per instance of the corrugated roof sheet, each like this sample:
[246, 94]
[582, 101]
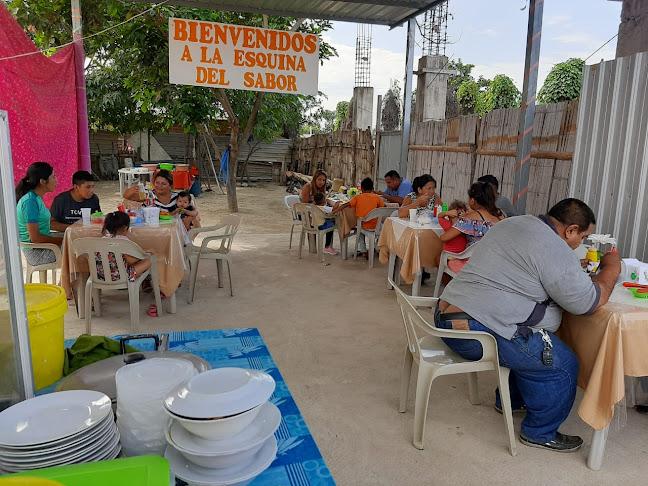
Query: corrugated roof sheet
[382, 12]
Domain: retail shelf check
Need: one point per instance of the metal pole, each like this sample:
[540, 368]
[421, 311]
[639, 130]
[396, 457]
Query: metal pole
[407, 100]
[527, 112]
[83, 144]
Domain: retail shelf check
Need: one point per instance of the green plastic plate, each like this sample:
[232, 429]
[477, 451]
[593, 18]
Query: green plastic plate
[130, 471]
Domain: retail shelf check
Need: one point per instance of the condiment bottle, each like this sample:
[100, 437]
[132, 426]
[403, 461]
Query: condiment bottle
[593, 257]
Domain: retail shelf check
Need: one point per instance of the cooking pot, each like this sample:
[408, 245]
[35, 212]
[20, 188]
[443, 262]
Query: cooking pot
[100, 376]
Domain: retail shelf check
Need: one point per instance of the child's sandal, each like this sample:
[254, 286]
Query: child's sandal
[152, 310]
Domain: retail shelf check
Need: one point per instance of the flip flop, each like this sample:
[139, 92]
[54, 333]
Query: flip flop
[152, 310]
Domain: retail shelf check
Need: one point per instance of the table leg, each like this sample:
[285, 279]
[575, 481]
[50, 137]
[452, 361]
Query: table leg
[597, 450]
[344, 248]
[78, 289]
[416, 285]
[390, 268]
[172, 303]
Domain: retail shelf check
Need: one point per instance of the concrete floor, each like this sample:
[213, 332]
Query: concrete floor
[335, 333]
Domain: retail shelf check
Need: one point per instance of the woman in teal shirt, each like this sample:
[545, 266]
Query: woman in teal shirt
[33, 215]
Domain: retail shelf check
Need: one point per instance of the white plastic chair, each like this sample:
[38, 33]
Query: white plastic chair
[426, 348]
[42, 269]
[312, 217]
[371, 235]
[290, 202]
[443, 265]
[120, 247]
[224, 233]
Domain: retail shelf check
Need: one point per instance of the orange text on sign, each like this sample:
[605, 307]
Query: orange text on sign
[211, 76]
[282, 82]
[248, 37]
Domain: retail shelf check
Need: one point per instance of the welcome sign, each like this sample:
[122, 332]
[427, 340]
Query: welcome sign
[240, 57]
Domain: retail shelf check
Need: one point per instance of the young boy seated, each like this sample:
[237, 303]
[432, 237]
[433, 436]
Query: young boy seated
[187, 212]
[364, 203]
[320, 199]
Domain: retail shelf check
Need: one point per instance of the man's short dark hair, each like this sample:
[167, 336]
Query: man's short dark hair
[367, 184]
[80, 177]
[573, 211]
[392, 174]
[491, 179]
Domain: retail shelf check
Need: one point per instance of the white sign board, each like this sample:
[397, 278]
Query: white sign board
[240, 57]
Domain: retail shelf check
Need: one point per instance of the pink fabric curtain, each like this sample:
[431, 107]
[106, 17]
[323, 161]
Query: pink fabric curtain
[39, 93]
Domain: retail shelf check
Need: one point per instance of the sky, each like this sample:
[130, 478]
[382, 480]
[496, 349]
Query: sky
[489, 34]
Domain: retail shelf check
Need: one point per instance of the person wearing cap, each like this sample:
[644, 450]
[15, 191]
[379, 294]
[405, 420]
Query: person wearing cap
[66, 208]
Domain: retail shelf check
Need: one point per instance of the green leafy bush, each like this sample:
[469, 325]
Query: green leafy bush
[501, 93]
[563, 83]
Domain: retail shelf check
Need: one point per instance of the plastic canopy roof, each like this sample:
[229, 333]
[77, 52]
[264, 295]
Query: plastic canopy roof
[382, 12]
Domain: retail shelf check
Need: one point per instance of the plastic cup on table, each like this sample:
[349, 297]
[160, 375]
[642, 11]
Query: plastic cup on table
[85, 216]
[412, 215]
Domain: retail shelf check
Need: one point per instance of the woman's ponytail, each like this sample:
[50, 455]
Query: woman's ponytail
[35, 172]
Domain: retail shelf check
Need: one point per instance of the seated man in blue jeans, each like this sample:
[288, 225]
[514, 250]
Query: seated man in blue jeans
[521, 277]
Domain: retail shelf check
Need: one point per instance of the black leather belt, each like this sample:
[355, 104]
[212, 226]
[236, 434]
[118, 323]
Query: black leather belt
[452, 316]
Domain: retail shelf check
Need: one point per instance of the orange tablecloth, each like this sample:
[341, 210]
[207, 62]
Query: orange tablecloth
[610, 343]
[167, 240]
[417, 248]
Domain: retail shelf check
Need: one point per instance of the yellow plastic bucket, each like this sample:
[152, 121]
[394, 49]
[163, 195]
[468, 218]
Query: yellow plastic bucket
[46, 306]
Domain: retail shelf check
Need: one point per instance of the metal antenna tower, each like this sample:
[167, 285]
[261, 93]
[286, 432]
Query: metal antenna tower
[363, 56]
[435, 30]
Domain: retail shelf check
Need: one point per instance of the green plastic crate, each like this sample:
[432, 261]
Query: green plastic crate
[130, 471]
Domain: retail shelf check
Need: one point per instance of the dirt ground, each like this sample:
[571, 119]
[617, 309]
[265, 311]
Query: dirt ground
[261, 207]
[337, 337]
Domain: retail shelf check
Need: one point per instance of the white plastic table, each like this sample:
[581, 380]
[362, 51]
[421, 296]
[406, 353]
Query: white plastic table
[130, 176]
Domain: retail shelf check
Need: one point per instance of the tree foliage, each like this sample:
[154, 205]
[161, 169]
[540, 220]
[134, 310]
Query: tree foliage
[563, 83]
[468, 96]
[501, 93]
[390, 117]
[128, 71]
[341, 112]
[463, 74]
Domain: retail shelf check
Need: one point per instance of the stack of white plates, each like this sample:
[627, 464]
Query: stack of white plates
[222, 432]
[66, 427]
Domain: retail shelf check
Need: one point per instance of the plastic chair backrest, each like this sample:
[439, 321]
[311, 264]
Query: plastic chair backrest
[225, 231]
[310, 214]
[380, 213]
[119, 247]
[415, 326]
[290, 202]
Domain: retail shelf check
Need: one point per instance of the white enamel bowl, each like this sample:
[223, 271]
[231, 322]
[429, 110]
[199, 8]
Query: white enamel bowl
[238, 475]
[218, 428]
[220, 392]
[239, 449]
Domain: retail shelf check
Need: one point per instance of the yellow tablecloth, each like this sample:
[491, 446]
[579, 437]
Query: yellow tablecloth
[416, 247]
[610, 343]
[167, 240]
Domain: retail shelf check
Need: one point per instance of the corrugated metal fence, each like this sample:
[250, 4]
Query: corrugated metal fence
[610, 169]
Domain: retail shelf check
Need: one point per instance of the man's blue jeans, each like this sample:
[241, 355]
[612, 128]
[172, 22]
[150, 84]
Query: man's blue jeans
[547, 391]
